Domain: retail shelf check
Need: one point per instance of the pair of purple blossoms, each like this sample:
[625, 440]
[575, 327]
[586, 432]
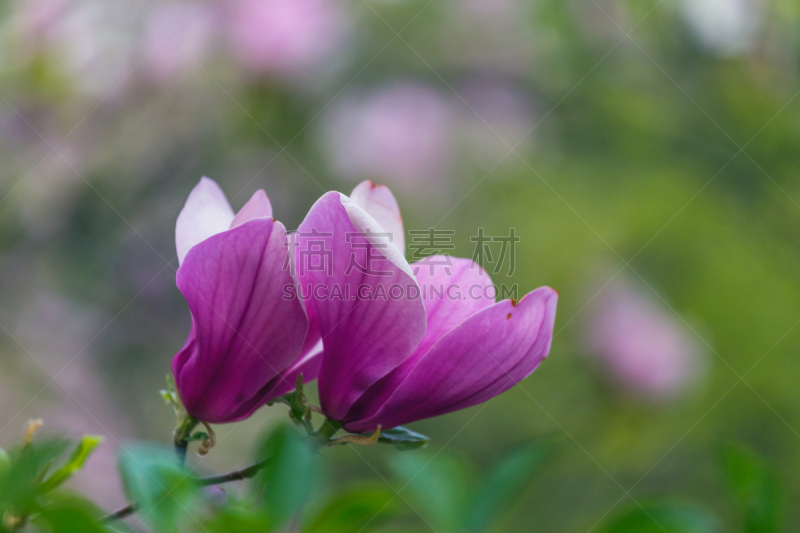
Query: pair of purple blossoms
[378, 362]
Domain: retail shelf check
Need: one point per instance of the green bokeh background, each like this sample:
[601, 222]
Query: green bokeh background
[652, 159]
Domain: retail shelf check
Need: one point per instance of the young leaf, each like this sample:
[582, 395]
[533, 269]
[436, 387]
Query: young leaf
[163, 489]
[403, 438]
[288, 477]
[754, 488]
[663, 518]
[170, 395]
[505, 484]
[353, 509]
[75, 462]
[198, 436]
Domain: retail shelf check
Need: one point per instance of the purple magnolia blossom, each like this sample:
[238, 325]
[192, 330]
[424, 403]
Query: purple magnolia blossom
[290, 38]
[419, 340]
[247, 343]
[640, 347]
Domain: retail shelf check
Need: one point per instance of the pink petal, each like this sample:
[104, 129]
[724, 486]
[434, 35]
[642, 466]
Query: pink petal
[206, 213]
[364, 338]
[379, 203]
[453, 289]
[484, 356]
[308, 365]
[245, 333]
[257, 207]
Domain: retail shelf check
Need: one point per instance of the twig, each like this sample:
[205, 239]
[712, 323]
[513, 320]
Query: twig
[236, 475]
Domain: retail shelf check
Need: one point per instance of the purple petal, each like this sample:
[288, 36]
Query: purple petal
[308, 365]
[379, 203]
[484, 356]
[244, 332]
[365, 336]
[257, 207]
[453, 289]
[206, 213]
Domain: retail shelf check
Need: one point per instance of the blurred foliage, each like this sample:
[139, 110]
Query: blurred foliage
[30, 477]
[754, 488]
[448, 495]
[672, 518]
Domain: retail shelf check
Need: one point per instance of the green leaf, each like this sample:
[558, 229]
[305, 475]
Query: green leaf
[70, 515]
[239, 520]
[75, 462]
[663, 518]
[163, 489]
[21, 485]
[505, 484]
[437, 487]
[287, 479]
[403, 438]
[754, 488]
[352, 509]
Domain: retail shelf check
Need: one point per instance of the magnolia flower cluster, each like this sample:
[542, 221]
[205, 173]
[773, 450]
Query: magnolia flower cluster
[378, 361]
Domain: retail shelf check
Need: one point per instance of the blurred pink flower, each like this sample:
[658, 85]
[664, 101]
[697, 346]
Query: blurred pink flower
[400, 133]
[38, 17]
[177, 38]
[293, 38]
[640, 346]
[92, 42]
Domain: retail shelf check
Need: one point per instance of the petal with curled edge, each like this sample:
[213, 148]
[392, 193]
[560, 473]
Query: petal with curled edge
[378, 201]
[485, 355]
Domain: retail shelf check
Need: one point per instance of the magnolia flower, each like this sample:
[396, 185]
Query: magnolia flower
[247, 343]
[402, 349]
[639, 346]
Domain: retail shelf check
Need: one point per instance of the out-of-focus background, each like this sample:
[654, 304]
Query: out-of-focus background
[645, 153]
